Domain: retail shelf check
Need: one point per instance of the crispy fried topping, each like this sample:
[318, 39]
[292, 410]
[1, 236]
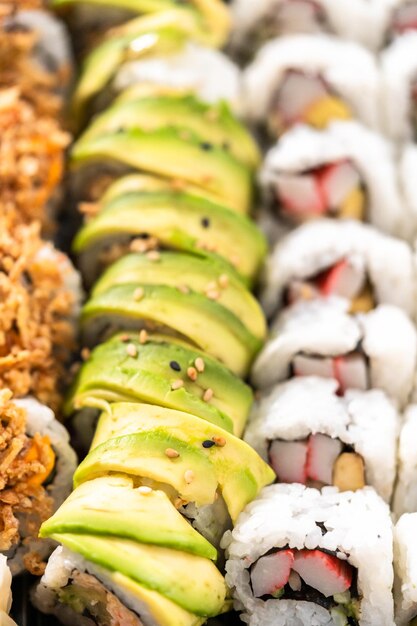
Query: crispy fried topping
[25, 464]
[36, 330]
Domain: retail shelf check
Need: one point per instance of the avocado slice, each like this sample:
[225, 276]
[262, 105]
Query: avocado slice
[198, 274]
[177, 220]
[101, 64]
[112, 506]
[192, 582]
[200, 320]
[208, 21]
[170, 153]
[125, 431]
[214, 124]
[111, 375]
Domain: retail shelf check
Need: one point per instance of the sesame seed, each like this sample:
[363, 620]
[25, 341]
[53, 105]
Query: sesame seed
[144, 490]
[189, 476]
[199, 364]
[124, 338]
[208, 394]
[171, 453]
[205, 222]
[208, 443]
[234, 259]
[177, 384]
[183, 289]
[131, 350]
[154, 255]
[211, 285]
[192, 373]
[224, 281]
[138, 294]
[206, 146]
[143, 336]
[174, 365]
[85, 353]
[213, 294]
[219, 441]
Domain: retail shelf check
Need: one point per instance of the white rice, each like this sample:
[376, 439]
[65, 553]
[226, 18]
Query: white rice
[405, 567]
[304, 148]
[314, 246]
[358, 527]
[359, 20]
[71, 278]
[348, 69]
[301, 407]
[405, 496]
[40, 419]
[5, 585]
[324, 328]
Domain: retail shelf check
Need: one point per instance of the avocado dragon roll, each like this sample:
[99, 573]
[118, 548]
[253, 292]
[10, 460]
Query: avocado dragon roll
[298, 556]
[405, 580]
[311, 436]
[5, 593]
[345, 259]
[127, 557]
[361, 351]
[344, 171]
[36, 467]
[313, 80]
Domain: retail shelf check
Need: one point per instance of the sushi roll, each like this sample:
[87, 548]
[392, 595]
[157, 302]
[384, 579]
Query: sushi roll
[5, 593]
[406, 168]
[256, 22]
[41, 299]
[208, 472]
[345, 171]
[361, 351]
[400, 17]
[399, 88]
[405, 496]
[298, 556]
[309, 435]
[345, 259]
[127, 555]
[313, 80]
[160, 370]
[36, 470]
[405, 582]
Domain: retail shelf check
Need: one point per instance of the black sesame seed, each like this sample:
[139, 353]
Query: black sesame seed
[205, 145]
[205, 222]
[208, 443]
[174, 365]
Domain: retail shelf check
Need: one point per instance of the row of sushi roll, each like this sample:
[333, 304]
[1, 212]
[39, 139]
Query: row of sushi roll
[335, 414]
[40, 291]
[163, 172]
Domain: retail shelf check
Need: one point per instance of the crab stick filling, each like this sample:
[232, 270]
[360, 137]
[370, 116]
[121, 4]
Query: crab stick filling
[346, 279]
[310, 575]
[317, 461]
[305, 98]
[332, 190]
[350, 370]
[404, 18]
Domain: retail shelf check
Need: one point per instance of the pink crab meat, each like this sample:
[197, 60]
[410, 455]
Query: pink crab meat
[321, 455]
[299, 196]
[298, 91]
[313, 366]
[288, 459]
[299, 16]
[322, 571]
[336, 181]
[405, 18]
[342, 279]
[351, 372]
[270, 573]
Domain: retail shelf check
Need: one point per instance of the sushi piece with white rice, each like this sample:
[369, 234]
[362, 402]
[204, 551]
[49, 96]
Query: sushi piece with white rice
[345, 259]
[344, 171]
[310, 79]
[311, 436]
[5, 593]
[298, 556]
[405, 496]
[320, 338]
[405, 579]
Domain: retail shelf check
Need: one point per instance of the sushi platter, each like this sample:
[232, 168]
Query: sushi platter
[208, 307]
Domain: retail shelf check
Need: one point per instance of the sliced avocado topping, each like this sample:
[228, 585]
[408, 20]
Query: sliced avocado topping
[214, 124]
[192, 582]
[170, 153]
[112, 506]
[127, 428]
[112, 375]
[179, 221]
[203, 275]
[208, 325]
[102, 63]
